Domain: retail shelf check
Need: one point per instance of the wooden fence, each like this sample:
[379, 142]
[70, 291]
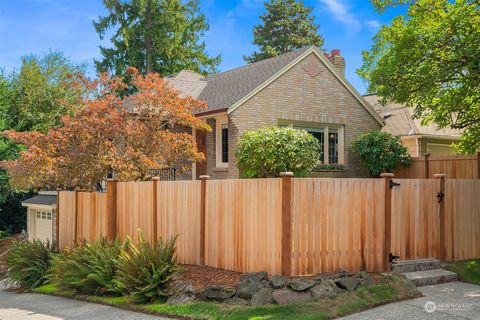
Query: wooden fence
[293, 226]
[455, 167]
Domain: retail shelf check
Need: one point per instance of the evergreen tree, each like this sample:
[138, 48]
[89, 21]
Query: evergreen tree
[161, 36]
[287, 25]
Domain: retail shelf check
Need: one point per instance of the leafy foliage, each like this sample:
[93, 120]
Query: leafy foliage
[287, 25]
[428, 60]
[269, 151]
[161, 36]
[34, 98]
[380, 152]
[28, 263]
[102, 136]
[89, 267]
[146, 269]
[42, 92]
[4, 234]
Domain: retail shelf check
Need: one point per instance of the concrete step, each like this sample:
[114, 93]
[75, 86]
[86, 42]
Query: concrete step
[403, 266]
[429, 277]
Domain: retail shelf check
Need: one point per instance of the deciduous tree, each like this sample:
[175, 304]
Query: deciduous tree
[103, 136]
[429, 60]
[287, 25]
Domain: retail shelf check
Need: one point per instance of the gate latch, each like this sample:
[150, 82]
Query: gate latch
[393, 184]
[440, 196]
[392, 258]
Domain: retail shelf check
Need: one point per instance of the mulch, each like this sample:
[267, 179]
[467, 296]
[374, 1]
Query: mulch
[201, 277]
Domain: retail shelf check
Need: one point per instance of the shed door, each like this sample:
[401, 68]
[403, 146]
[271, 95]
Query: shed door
[43, 225]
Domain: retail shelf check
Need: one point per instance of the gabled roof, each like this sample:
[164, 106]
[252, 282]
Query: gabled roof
[226, 88]
[230, 89]
[399, 121]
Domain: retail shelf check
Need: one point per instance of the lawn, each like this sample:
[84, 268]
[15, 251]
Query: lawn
[389, 289]
[468, 270]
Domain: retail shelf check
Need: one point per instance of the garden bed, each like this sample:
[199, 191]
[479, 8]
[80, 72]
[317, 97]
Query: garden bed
[202, 277]
[385, 289]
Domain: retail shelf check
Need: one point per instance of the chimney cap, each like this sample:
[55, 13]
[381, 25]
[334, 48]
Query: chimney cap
[335, 52]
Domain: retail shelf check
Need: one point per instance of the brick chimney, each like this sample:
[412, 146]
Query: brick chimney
[338, 61]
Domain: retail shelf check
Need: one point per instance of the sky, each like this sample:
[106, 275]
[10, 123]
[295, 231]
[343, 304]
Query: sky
[36, 26]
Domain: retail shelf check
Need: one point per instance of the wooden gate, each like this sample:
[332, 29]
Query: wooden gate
[415, 229]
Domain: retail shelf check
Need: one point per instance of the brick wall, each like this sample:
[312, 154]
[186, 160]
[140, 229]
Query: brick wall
[299, 95]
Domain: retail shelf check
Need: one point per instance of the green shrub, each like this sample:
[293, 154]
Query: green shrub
[269, 151]
[380, 152]
[146, 269]
[28, 263]
[89, 268]
[4, 234]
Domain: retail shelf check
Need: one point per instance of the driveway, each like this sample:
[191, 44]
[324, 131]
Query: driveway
[454, 300]
[33, 306]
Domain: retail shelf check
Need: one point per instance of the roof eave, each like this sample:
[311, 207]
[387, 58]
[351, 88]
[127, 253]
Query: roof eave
[211, 112]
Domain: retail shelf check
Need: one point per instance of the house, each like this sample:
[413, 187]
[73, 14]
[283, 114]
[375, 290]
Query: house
[419, 139]
[41, 215]
[304, 89]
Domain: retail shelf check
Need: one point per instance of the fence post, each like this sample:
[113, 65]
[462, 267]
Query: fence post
[111, 209]
[57, 221]
[155, 208]
[388, 219]
[287, 222]
[203, 193]
[75, 234]
[478, 165]
[441, 195]
[427, 166]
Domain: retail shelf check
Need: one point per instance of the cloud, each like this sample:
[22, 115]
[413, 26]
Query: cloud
[341, 12]
[373, 24]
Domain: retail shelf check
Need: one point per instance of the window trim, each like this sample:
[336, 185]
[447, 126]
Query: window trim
[219, 121]
[325, 126]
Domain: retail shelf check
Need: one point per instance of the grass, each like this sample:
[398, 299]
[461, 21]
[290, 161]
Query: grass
[389, 289]
[468, 270]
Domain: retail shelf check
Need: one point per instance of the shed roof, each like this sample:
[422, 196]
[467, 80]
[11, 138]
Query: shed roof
[41, 199]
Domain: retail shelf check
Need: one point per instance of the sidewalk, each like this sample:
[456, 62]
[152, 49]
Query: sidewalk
[446, 301]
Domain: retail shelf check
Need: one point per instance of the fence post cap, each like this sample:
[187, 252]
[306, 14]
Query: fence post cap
[440, 175]
[156, 178]
[112, 180]
[204, 177]
[386, 175]
[286, 174]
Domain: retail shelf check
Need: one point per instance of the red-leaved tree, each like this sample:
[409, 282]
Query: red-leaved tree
[104, 136]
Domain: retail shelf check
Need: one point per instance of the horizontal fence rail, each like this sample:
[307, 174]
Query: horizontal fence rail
[293, 226]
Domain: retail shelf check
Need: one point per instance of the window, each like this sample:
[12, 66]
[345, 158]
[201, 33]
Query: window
[49, 215]
[221, 144]
[38, 215]
[330, 138]
[224, 142]
[332, 146]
